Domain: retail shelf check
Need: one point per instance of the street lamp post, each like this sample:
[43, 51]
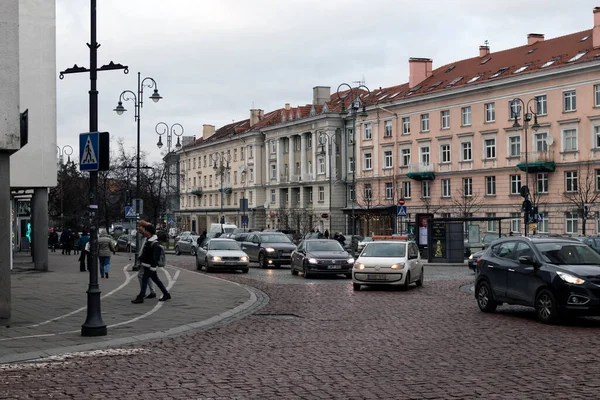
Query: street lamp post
[138, 103]
[177, 130]
[221, 166]
[66, 150]
[354, 94]
[528, 113]
[330, 140]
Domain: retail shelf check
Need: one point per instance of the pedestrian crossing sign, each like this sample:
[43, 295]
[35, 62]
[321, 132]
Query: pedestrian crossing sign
[94, 151]
[130, 212]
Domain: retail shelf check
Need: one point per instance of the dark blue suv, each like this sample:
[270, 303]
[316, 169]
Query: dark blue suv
[557, 277]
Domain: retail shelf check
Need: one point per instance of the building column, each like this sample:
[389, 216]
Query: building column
[5, 236]
[279, 150]
[344, 155]
[40, 229]
[314, 156]
[303, 160]
[267, 164]
[292, 158]
[327, 154]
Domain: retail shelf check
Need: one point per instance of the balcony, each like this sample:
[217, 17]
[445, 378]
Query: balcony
[539, 161]
[421, 172]
[197, 191]
[226, 190]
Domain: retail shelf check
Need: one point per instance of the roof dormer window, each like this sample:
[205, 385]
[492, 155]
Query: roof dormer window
[438, 83]
[486, 60]
[394, 95]
[577, 56]
[383, 97]
[454, 81]
[413, 90]
[498, 73]
[531, 51]
[583, 39]
[523, 68]
[450, 68]
[473, 79]
[549, 63]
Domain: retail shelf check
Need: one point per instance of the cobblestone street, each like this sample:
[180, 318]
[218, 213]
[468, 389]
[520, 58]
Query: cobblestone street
[318, 338]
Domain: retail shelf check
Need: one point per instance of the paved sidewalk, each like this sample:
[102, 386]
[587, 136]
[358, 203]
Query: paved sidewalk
[48, 308]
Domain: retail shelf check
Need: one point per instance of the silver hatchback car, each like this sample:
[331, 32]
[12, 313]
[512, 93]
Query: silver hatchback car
[221, 254]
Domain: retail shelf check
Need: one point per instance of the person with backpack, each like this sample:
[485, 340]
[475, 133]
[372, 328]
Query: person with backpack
[105, 247]
[151, 258]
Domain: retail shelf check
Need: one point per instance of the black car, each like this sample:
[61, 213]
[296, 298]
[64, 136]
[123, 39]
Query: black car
[557, 277]
[474, 259]
[268, 248]
[321, 256]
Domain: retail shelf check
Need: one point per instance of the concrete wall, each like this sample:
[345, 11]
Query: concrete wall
[37, 77]
[9, 75]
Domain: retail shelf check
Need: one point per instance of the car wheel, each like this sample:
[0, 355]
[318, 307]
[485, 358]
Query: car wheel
[193, 251]
[420, 281]
[406, 285]
[485, 298]
[545, 307]
[356, 286]
[177, 252]
[293, 270]
[245, 270]
[262, 260]
[305, 272]
[208, 269]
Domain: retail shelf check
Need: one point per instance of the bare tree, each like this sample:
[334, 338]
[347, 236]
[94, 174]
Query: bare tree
[299, 220]
[466, 205]
[429, 207]
[582, 193]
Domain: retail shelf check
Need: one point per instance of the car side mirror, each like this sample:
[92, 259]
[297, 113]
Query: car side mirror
[528, 260]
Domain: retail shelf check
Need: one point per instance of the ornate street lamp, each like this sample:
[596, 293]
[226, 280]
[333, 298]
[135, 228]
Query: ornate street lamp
[221, 166]
[331, 140]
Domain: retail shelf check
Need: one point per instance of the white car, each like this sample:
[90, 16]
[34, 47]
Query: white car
[388, 262]
[361, 244]
[221, 254]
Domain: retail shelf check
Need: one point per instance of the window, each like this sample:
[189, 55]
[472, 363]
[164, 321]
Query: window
[368, 131]
[570, 100]
[571, 220]
[387, 159]
[515, 222]
[204, 162]
[424, 122]
[310, 195]
[234, 154]
[541, 104]
[241, 154]
[489, 146]
[445, 153]
[446, 190]
[490, 185]
[321, 161]
[321, 194]
[514, 146]
[251, 174]
[297, 143]
[210, 197]
[351, 164]
[571, 181]
[466, 116]
[352, 196]
[490, 112]
[250, 196]
[406, 126]
[273, 171]
[476, 77]
[468, 187]
[542, 182]
[577, 56]
[388, 129]
[405, 157]
[406, 187]
[596, 95]
[425, 155]
[368, 161]
[491, 225]
[273, 196]
[273, 146]
[350, 135]
[368, 191]
[521, 69]
[426, 189]
[194, 162]
[389, 190]
[549, 63]
[235, 177]
[466, 153]
[598, 179]
[310, 167]
[540, 141]
[515, 184]
[597, 136]
[543, 224]
[445, 119]
[570, 140]
[498, 73]
[251, 152]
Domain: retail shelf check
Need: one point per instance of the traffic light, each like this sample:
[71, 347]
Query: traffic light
[533, 215]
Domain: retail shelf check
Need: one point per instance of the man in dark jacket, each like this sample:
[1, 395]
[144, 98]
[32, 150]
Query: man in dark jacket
[148, 260]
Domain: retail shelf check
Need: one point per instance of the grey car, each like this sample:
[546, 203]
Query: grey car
[269, 249]
[220, 253]
[186, 244]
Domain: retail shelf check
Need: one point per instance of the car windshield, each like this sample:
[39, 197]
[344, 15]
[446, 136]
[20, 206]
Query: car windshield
[275, 238]
[568, 254]
[223, 245]
[384, 250]
[324, 245]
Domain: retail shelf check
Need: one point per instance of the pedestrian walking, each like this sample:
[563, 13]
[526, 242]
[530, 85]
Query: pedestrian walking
[149, 260]
[326, 234]
[105, 248]
[83, 240]
[340, 238]
[53, 240]
[64, 240]
[201, 238]
[75, 243]
[140, 275]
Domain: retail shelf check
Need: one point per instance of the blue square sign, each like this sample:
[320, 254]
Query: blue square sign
[89, 150]
[401, 211]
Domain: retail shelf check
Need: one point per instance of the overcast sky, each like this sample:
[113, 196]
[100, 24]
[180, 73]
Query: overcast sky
[215, 60]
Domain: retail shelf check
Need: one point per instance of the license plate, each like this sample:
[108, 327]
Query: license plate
[286, 254]
[334, 267]
[376, 277]
[229, 263]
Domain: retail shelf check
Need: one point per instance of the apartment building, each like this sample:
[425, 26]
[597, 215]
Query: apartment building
[457, 140]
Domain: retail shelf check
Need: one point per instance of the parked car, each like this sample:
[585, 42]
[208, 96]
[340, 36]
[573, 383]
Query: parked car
[474, 259]
[593, 242]
[349, 239]
[388, 262]
[221, 228]
[241, 236]
[127, 243]
[186, 244]
[221, 254]
[321, 256]
[268, 248]
[181, 234]
[557, 277]
[362, 243]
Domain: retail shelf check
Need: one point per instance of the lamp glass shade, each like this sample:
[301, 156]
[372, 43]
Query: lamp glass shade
[119, 109]
[160, 143]
[155, 96]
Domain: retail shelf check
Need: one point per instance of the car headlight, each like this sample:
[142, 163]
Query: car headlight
[244, 258]
[313, 261]
[471, 257]
[359, 266]
[269, 249]
[216, 258]
[351, 261]
[398, 266]
[572, 279]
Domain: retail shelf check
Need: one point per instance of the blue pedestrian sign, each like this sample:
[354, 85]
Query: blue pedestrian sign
[171, 221]
[401, 211]
[89, 150]
[540, 217]
[130, 212]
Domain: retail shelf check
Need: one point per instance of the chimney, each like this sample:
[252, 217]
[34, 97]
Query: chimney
[596, 31]
[484, 51]
[255, 116]
[287, 106]
[533, 38]
[420, 69]
[207, 131]
[321, 95]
